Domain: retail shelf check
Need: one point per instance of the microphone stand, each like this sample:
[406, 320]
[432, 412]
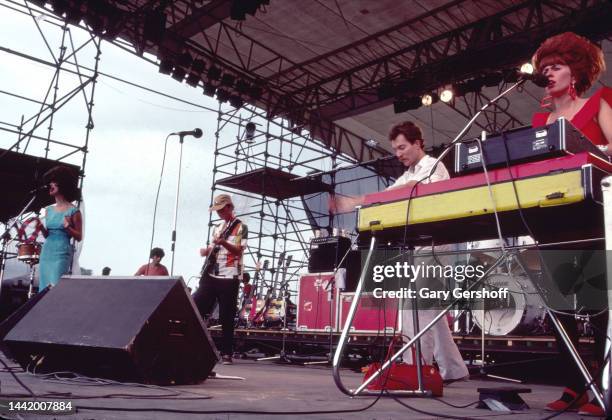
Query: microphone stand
[176, 203]
[459, 136]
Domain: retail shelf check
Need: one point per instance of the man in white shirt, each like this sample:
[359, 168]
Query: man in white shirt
[407, 143]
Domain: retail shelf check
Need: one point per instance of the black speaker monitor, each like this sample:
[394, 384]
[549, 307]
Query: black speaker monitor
[326, 253]
[144, 329]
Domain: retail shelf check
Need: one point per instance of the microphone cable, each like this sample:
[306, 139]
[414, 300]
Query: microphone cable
[161, 177]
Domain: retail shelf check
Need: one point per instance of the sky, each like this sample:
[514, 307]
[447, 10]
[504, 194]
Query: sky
[125, 147]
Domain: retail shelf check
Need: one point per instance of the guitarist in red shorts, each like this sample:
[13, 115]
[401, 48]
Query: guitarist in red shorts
[220, 279]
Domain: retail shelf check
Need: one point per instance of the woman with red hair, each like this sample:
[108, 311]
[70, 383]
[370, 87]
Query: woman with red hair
[572, 64]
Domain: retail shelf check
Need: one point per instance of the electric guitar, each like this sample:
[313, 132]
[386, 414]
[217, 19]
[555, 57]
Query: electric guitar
[260, 316]
[211, 258]
[258, 303]
[276, 307]
[247, 301]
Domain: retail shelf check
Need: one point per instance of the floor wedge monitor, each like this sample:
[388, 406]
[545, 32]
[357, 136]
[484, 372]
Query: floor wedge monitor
[144, 329]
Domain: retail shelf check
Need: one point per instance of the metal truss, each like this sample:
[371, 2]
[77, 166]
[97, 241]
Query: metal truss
[35, 133]
[343, 82]
[496, 120]
[494, 42]
[275, 224]
[124, 23]
[453, 42]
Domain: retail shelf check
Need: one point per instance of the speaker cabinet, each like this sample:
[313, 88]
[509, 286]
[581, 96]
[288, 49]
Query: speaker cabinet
[144, 329]
[326, 253]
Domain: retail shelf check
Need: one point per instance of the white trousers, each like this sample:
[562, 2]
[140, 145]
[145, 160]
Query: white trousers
[437, 343]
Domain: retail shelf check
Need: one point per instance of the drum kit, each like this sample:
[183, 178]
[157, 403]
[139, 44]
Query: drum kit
[28, 249]
[522, 312]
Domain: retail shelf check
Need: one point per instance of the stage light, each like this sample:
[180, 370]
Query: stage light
[165, 66]
[527, 68]
[74, 16]
[472, 85]
[214, 73]
[185, 59]
[239, 8]
[492, 79]
[193, 79]
[242, 87]
[236, 101]
[446, 95]
[386, 90]
[372, 143]
[59, 6]
[406, 104]
[100, 17]
[209, 89]
[154, 26]
[197, 68]
[70, 9]
[462, 89]
[227, 80]
[255, 92]
[249, 132]
[178, 74]
[222, 95]
[429, 99]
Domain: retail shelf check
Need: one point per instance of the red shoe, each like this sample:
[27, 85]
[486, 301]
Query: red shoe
[568, 401]
[591, 409]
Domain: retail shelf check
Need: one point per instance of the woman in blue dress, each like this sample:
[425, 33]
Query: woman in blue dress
[63, 222]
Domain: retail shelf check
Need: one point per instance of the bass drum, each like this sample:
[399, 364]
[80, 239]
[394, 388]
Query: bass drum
[522, 312]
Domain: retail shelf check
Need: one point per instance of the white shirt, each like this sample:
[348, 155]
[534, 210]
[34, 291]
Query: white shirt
[422, 170]
[228, 264]
[416, 173]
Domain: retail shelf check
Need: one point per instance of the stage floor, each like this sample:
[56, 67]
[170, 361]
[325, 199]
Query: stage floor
[265, 387]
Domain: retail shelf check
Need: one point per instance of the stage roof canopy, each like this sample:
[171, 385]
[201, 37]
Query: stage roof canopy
[337, 67]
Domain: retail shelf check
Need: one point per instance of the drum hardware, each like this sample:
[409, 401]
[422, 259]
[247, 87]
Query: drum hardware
[6, 235]
[29, 253]
[522, 313]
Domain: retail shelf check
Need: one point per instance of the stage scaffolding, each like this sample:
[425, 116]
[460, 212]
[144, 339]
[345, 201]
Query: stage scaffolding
[69, 62]
[268, 171]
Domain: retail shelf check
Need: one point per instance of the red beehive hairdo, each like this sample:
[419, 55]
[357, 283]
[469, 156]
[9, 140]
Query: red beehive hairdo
[585, 59]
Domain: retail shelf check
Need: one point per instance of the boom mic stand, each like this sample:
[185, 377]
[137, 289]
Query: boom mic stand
[197, 133]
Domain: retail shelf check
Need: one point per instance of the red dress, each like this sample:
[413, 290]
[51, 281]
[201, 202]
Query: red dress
[585, 120]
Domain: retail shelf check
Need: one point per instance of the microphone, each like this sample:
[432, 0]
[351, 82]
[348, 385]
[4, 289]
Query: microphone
[537, 78]
[196, 132]
[39, 189]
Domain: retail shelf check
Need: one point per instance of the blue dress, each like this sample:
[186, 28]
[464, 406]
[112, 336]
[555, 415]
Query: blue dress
[56, 254]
